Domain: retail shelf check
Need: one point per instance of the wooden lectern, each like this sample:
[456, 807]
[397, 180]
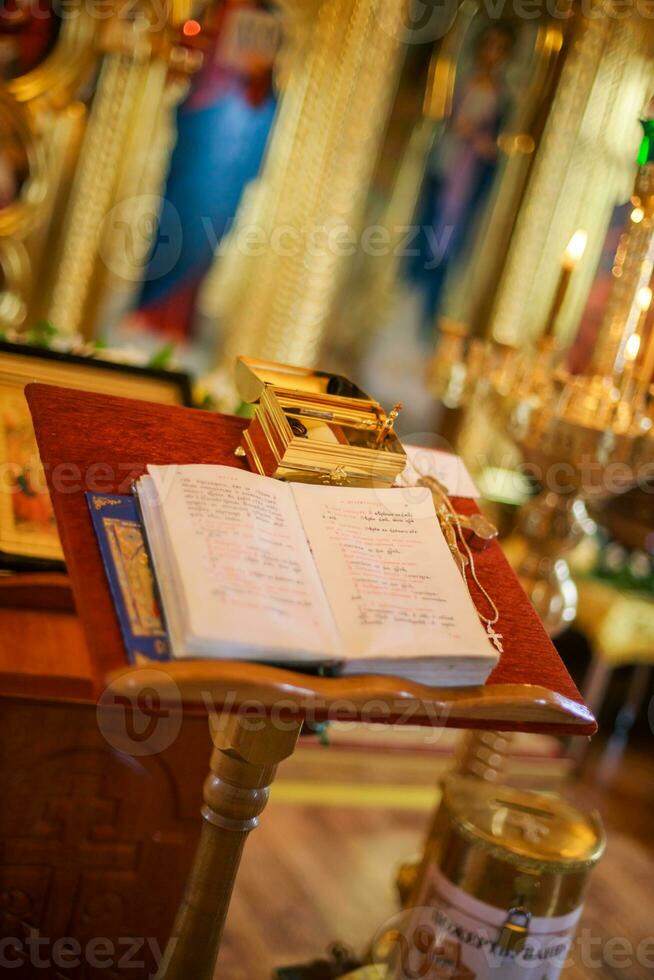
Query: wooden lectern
[99, 443]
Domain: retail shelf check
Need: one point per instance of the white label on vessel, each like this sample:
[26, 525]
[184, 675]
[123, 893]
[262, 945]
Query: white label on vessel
[454, 936]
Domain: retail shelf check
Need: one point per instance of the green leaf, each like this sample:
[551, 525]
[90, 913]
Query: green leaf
[161, 360]
[646, 151]
[41, 334]
[245, 410]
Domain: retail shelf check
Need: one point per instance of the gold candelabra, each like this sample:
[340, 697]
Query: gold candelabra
[584, 437]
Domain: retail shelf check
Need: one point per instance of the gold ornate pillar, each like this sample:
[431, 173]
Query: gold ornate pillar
[634, 262]
[582, 170]
[120, 160]
[122, 78]
[297, 231]
[40, 107]
[130, 225]
[14, 280]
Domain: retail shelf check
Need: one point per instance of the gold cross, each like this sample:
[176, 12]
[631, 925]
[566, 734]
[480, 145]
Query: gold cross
[495, 638]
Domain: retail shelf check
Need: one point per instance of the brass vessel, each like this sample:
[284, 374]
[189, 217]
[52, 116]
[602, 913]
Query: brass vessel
[500, 888]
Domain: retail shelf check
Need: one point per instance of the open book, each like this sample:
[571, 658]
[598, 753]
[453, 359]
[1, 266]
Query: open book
[361, 580]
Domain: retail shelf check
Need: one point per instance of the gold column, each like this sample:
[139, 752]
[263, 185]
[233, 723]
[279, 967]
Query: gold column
[14, 282]
[122, 77]
[62, 131]
[309, 200]
[122, 162]
[632, 271]
[579, 173]
[129, 228]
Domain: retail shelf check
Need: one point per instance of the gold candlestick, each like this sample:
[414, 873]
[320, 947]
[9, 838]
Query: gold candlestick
[632, 269]
[645, 368]
[570, 260]
[631, 346]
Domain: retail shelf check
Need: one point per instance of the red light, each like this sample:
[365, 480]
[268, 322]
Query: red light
[191, 28]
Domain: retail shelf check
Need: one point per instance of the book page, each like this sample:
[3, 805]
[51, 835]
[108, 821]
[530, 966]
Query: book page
[243, 562]
[390, 579]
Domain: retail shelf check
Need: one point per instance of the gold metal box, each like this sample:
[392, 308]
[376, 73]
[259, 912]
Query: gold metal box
[316, 427]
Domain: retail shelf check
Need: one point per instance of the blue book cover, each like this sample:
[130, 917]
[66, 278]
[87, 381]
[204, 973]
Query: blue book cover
[125, 557]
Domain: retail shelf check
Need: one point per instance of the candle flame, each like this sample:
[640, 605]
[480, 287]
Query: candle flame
[644, 298]
[637, 215]
[576, 248]
[631, 348]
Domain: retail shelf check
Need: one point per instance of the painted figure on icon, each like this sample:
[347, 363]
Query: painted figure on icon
[222, 131]
[461, 167]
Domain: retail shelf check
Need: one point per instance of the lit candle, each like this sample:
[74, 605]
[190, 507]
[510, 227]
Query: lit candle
[632, 343]
[569, 261]
[646, 368]
[632, 346]
[631, 349]
[575, 250]
[643, 302]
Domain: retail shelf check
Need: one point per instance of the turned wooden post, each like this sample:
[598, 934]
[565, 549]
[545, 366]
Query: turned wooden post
[246, 753]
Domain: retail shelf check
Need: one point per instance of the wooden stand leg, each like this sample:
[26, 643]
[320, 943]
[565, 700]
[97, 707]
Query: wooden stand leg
[593, 690]
[246, 754]
[624, 722]
[484, 755]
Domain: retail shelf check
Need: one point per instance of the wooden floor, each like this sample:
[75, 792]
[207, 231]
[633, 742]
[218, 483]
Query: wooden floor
[321, 868]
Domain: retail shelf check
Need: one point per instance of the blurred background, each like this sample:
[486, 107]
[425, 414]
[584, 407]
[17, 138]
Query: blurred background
[439, 203]
[451, 204]
[302, 184]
